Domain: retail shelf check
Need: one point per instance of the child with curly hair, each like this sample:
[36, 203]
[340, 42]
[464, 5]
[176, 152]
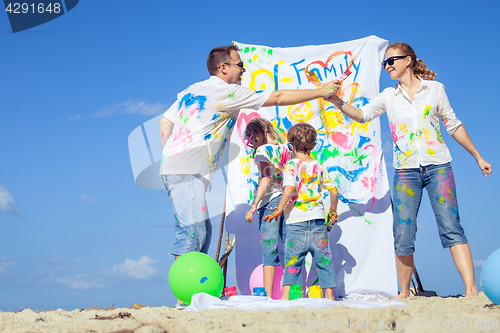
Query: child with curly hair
[302, 202]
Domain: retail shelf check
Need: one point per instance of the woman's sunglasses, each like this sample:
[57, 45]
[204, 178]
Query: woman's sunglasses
[390, 61]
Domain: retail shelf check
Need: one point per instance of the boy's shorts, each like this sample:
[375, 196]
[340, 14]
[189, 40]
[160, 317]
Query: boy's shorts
[303, 237]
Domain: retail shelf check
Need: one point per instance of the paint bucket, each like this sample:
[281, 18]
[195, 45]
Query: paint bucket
[230, 291]
[259, 291]
[315, 292]
[295, 292]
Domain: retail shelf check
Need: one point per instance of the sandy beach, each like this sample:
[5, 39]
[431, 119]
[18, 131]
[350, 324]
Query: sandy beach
[422, 314]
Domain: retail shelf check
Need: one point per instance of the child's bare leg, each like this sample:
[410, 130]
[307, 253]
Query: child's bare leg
[286, 290]
[269, 272]
[329, 294]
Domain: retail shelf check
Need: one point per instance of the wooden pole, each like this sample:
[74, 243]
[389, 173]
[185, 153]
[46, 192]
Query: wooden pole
[419, 283]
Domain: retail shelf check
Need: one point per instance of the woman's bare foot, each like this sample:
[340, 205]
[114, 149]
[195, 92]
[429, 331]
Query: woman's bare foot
[402, 295]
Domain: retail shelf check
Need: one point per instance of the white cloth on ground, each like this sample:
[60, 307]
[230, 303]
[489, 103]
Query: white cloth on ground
[203, 301]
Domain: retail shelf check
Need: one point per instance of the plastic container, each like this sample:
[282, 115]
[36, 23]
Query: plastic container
[315, 292]
[295, 292]
[230, 291]
[259, 291]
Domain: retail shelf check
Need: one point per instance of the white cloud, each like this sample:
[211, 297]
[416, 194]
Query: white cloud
[7, 204]
[88, 199]
[79, 281]
[4, 265]
[78, 116]
[55, 259]
[478, 263]
[77, 260]
[138, 107]
[138, 269]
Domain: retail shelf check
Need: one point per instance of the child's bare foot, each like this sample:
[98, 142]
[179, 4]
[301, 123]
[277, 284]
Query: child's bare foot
[284, 294]
[329, 294]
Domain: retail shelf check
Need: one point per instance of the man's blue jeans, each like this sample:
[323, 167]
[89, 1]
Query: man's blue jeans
[193, 229]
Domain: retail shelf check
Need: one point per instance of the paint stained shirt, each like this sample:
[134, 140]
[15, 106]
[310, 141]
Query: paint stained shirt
[204, 116]
[309, 180]
[276, 156]
[414, 125]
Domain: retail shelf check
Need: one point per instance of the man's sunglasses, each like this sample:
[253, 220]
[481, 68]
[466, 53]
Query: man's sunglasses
[390, 61]
[240, 64]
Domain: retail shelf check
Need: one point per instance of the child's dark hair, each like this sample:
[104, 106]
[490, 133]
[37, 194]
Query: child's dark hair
[303, 137]
[264, 126]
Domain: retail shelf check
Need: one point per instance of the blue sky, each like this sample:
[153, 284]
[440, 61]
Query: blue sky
[77, 232]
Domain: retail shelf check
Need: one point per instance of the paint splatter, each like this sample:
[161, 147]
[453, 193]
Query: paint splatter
[427, 109]
[203, 280]
[407, 221]
[405, 189]
[203, 208]
[293, 270]
[292, 261]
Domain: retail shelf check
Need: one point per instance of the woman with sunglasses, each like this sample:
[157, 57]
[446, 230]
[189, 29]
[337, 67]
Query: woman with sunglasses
[421, 159]
[271, 157]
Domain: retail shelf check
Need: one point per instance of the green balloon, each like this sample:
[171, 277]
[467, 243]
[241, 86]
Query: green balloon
[195, 272]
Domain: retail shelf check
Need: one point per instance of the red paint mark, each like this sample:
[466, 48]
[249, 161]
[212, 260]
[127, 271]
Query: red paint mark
[393, 132]
[203, 208]
[246, 119]
[292, 270]
[343, 140]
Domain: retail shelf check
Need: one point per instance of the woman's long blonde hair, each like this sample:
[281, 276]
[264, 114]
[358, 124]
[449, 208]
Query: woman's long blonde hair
[418, 67]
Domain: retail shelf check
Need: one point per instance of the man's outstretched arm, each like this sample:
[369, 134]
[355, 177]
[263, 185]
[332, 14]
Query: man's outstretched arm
[287, 97]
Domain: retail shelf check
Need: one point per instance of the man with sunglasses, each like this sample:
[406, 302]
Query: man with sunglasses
[196, 129]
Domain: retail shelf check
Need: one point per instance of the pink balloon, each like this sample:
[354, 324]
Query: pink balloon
[257, 280]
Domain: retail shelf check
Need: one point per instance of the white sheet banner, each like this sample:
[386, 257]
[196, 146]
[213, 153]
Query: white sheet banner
[362, 241]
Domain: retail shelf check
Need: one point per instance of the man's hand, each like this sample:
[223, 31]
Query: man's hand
[249, 213]
[331, 88]
[275, 215]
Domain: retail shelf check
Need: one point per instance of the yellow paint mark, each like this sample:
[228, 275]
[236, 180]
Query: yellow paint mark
[355, 125]
[292, 261]
[258, 72]
[263, 86]
[430, 151]
[280, 62]
[255, 57]
[441, 200]
[427, 134]
[245, 162]
[286, 80]
[301, 112]
[405, 189]
[441, 170]
[403, 128]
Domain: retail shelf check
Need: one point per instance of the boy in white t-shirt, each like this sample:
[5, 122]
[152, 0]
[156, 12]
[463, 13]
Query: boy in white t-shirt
[302, 202]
